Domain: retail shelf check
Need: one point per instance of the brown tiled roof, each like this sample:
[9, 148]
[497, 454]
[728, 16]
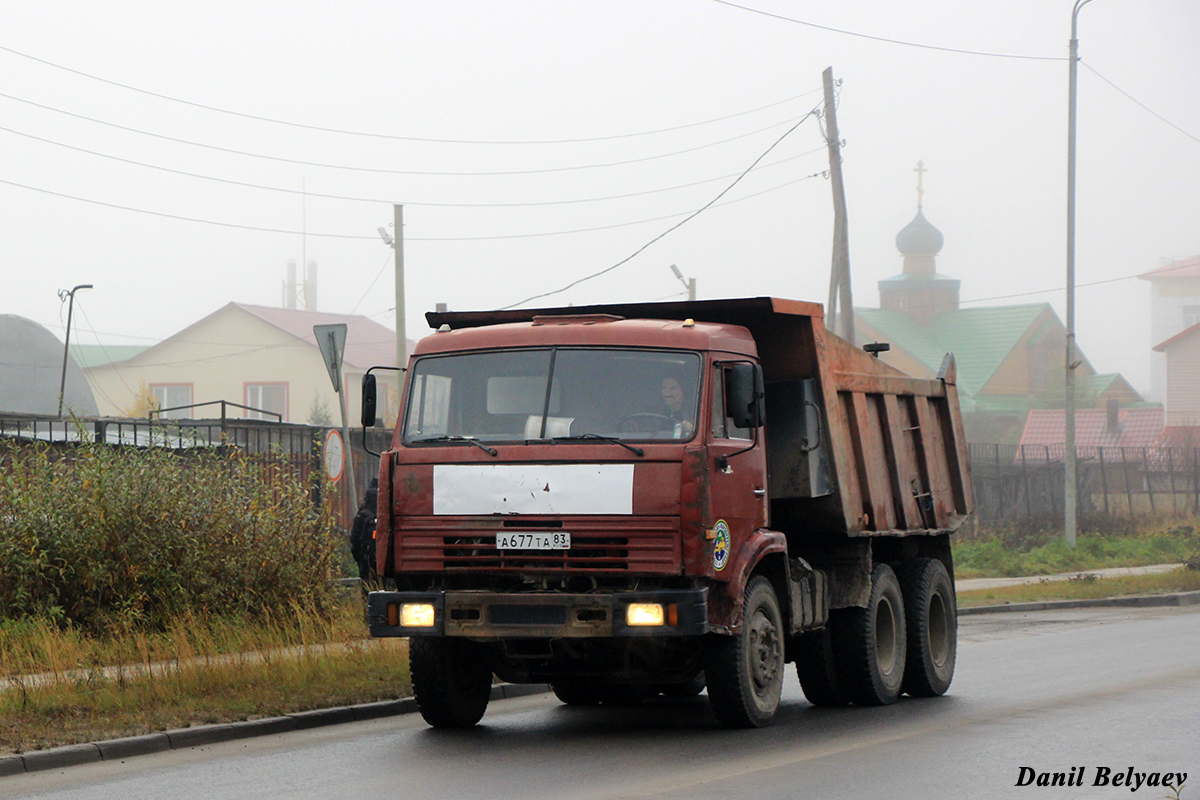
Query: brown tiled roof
[1136, 427]
[368, 343]
[1183, 334]
[1180, 436]
[1184, 268]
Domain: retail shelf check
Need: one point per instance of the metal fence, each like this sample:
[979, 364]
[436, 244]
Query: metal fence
[295, 448]
[1027, 481]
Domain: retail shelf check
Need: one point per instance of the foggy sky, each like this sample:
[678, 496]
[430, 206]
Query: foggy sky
[500, 88]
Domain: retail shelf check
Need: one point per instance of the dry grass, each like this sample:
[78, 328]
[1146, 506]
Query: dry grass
[61, 687]
[1085, 588]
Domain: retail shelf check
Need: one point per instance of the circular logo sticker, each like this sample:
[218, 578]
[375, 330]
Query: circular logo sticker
[721, 545]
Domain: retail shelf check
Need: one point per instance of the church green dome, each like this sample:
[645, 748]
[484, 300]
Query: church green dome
[919, 237]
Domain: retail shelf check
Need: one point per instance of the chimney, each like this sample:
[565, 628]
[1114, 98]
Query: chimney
[310, 286]
[289, 286]
[1112, 423]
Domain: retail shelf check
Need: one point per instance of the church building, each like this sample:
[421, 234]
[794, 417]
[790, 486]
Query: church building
[1010, 357]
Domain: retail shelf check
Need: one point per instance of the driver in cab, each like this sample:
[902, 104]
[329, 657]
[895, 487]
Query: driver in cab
[672, 396]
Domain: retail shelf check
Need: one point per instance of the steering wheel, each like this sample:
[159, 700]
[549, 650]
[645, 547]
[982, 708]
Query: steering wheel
[640, 422]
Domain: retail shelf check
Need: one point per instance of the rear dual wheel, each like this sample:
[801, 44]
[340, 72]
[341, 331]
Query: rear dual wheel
[932, 613]
[870, 644]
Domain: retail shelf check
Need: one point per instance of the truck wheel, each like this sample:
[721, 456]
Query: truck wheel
[816, 669]
[451, 681]
[932, 613]
[576, 693]
[869, 643]
[745, 672]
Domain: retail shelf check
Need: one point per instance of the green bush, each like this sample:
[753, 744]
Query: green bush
[96, 535]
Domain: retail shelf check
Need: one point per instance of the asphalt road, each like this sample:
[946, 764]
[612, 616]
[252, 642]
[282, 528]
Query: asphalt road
[1049, 690]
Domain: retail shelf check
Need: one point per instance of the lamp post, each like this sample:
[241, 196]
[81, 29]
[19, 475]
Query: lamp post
[1069, 499]
[690, 283]
[63, 294]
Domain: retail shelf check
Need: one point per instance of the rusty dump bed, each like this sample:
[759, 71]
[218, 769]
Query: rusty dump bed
[854, 446]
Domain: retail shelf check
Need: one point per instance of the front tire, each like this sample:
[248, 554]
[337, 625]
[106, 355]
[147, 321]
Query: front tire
[932, 613]
[870, 643]
[451, 681]
[745, 672]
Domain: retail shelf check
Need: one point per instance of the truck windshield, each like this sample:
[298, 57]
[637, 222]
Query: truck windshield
[562, 393]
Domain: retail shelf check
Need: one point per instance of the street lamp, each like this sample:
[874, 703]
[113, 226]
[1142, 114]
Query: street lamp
[1069, 499]
[63, 294]
[690, 283]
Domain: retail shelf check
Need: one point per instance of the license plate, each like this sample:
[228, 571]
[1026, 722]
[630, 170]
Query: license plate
[528, 540]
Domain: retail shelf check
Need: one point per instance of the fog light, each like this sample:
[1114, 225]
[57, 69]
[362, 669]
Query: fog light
[644, 614]
[416, 615]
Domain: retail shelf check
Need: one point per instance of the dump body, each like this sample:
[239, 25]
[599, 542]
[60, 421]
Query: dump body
[529, 507]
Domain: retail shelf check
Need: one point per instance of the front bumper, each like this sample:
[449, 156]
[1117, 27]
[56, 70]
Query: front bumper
[490, 615]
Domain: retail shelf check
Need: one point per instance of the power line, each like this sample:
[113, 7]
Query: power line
[248, 185]
[382, 170]
[1139, 102]
[886, 39]
[616, 224]
[497, 237]
[180, 216]
[677, 225]
[398, 137]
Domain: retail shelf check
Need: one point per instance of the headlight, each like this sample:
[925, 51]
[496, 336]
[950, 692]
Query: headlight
[416, 615]
[644, 614]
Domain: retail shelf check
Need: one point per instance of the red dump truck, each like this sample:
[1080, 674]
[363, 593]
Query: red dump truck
[654, 498]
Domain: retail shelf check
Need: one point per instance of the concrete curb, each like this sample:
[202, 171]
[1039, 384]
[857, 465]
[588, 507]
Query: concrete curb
[180, 738]
[1133, 601]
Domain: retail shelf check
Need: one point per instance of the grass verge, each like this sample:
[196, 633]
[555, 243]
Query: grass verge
[1011, 551]
[62, 687]
[1085, 587]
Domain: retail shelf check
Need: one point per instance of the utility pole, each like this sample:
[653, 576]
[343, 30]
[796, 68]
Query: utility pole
[62, 384]
[398, 245]
[841, 323]
[1070, 501]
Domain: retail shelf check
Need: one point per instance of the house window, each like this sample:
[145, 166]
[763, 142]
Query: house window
[1191, 316]
[271, 397]
[173, 395]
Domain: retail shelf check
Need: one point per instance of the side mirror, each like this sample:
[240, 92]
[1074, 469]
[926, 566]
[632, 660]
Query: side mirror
[744, 393]
[368, 400]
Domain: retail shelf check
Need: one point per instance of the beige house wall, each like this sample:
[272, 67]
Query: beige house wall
[218, 357]
[1183, 382]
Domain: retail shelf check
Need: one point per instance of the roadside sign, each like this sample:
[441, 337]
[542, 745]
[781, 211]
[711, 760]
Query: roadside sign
[332, 341]
[335, 455]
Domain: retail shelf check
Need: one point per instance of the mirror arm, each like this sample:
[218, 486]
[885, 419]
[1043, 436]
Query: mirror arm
[367, 449]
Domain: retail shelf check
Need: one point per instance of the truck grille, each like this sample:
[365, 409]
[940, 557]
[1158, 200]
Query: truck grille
[652, 547]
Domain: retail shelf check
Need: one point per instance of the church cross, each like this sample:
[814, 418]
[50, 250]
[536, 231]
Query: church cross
[920, 170]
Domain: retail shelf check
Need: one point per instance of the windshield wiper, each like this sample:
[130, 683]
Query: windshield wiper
[468, 439]
[635, 450]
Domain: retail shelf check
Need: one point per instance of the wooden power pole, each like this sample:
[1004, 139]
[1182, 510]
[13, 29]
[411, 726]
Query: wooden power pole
[840, 321]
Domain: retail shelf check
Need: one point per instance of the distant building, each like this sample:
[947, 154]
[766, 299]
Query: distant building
[31, 371]
[1182, 376]
[1010, 358]
[1095, 427]
[1174, 307]
[255, 356]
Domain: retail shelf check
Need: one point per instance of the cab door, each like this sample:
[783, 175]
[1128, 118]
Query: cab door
[738, 488]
